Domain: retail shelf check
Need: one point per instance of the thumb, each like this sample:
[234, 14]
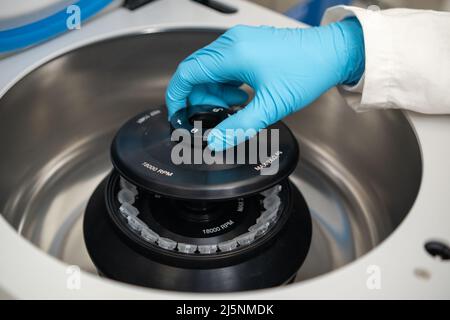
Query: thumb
[240, 126]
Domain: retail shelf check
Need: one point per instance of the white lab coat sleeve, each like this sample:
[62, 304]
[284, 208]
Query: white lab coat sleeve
[407, 59]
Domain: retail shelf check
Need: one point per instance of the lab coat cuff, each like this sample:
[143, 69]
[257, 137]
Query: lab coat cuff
[370, 91]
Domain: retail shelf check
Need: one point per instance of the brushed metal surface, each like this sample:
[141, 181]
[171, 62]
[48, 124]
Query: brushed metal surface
[359, 173]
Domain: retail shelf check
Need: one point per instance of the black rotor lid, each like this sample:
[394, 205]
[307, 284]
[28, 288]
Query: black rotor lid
[141, 153]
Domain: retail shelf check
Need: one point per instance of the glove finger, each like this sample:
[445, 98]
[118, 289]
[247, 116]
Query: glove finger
[200, 96]
[239, 127]
[214, 64]
[217, 95]
[231, 94]
[188, 74]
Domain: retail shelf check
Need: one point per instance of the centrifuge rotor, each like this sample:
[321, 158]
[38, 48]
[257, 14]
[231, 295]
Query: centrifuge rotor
[234, 238]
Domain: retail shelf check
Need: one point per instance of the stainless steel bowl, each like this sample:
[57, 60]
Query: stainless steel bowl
[360, 173]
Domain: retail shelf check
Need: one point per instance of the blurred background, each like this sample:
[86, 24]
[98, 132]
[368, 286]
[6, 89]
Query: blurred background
[310, 11]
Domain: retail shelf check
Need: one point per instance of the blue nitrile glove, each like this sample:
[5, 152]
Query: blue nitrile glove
[287, 69]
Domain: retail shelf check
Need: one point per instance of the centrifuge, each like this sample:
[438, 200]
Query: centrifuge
[358, 208]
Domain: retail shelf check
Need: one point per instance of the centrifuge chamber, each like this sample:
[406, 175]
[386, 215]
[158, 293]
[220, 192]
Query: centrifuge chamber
[359, 172]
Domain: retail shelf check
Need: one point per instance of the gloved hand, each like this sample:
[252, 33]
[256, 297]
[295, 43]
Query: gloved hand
[287, 69]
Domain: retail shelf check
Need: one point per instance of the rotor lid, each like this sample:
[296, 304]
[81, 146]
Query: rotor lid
[151, 153]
